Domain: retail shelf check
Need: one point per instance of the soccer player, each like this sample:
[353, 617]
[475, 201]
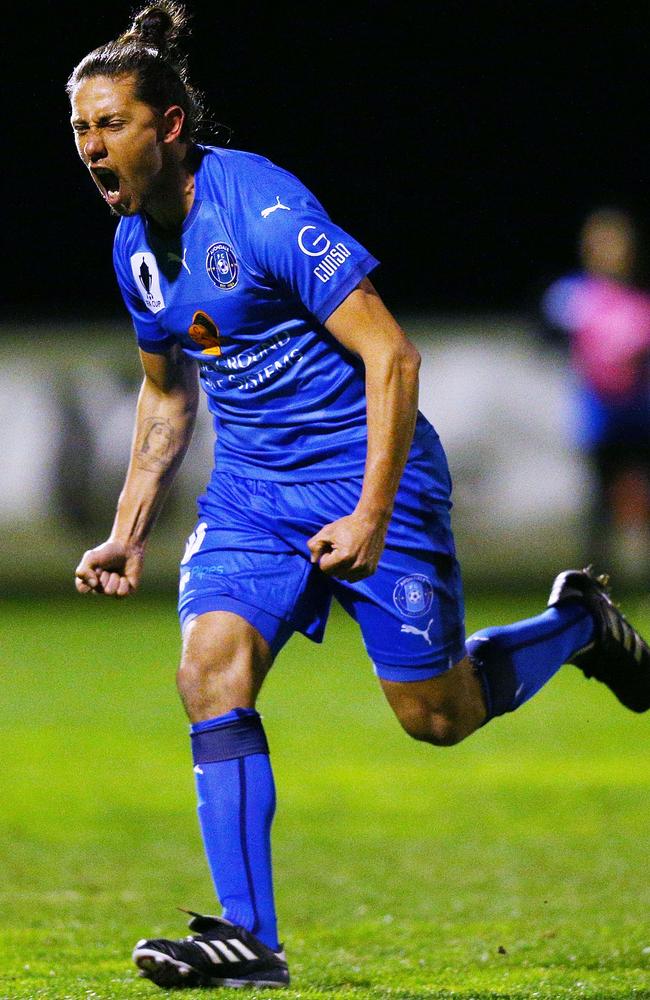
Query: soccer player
[327, 480]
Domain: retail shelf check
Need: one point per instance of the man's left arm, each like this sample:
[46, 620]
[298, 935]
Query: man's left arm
[351, 547]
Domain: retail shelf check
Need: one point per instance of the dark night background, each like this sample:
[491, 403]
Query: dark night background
[461, 142]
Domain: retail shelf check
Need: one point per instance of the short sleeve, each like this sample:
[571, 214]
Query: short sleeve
[151, 337]
[561, 301]
[293, 241]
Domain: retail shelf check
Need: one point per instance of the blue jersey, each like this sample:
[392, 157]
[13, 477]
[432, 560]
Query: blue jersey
[245, 288]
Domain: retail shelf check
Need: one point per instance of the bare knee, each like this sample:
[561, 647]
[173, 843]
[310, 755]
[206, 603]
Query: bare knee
[440, 728]
[223, 665]
[442, 710]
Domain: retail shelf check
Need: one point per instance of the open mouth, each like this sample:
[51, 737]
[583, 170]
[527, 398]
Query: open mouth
[109, 182]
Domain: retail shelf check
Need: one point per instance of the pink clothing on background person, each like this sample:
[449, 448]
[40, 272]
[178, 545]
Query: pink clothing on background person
[609, 326]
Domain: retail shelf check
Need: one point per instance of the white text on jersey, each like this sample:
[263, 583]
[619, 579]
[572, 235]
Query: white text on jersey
[329, 264]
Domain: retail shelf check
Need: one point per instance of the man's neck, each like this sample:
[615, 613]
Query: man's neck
[170, 203]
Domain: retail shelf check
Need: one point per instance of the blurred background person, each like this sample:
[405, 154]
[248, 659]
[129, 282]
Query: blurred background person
[602, 314]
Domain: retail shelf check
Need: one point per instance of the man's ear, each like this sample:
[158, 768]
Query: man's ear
[172, 123]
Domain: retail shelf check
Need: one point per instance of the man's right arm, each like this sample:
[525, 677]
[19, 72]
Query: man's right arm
[164, 422]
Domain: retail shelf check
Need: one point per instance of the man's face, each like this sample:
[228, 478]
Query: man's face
[120, 141]
[607, 247]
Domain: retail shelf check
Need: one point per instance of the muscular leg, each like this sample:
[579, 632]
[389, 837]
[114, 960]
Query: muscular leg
[223, 666]
[442, 710]
[504, 667]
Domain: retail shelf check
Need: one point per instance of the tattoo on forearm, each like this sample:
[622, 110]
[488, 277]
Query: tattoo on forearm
[156, 448]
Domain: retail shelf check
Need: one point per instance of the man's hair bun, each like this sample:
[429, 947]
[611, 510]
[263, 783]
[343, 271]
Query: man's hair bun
[152, 50]
[159, 25]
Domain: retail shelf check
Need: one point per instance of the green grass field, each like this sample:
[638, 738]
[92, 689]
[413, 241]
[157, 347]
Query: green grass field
[514, 865]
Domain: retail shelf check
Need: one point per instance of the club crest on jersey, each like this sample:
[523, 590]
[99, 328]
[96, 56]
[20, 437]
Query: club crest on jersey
[205, 332]
[147, 279]
[221, 264]
[413, 595]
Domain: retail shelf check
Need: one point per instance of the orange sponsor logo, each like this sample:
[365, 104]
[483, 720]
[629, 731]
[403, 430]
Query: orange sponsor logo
[205, 332]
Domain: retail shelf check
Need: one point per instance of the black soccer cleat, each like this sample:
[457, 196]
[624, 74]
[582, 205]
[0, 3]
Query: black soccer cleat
[219, 954]
[617, 656]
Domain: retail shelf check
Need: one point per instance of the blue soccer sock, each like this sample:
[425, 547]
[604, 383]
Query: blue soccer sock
[514, 661]
[236, 796]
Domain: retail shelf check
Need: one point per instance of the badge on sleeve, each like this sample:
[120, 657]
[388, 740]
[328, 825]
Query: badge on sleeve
[147, 279]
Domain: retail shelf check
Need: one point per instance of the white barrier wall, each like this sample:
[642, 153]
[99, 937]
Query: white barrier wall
[501, 405]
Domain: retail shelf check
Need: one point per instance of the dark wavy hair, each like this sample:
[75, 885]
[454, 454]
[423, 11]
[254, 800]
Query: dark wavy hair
[150, 50]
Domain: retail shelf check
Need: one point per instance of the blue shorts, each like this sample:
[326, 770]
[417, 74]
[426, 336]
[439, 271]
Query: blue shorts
[248, 554]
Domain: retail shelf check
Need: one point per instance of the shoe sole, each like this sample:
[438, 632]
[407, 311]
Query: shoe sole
[169, 973]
